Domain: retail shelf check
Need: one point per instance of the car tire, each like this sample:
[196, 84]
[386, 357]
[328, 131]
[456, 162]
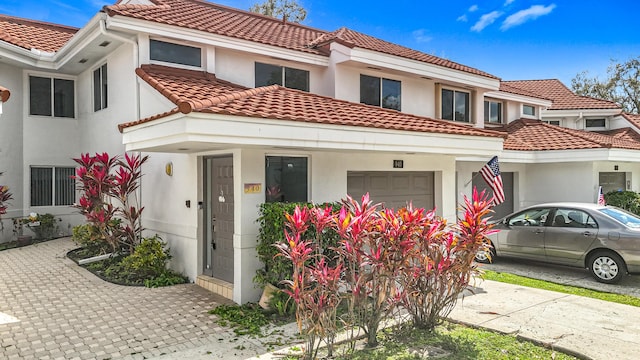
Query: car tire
[607, 267]
[485, 255]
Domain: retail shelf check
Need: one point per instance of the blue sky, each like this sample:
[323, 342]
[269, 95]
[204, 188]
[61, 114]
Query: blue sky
[512, 39]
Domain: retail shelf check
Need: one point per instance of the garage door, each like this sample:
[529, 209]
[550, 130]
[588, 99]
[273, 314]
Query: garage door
[612, 181]
[506, 207]
[394, 189]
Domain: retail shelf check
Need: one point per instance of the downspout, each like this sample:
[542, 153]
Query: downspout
[136, 64]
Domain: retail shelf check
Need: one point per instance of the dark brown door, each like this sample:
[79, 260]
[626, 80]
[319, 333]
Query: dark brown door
[218, 261]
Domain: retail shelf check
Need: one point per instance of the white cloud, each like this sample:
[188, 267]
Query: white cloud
[508, 2]
[462, 18]
[525, 15]
[473, 8]
[486, 20]
[421, 36]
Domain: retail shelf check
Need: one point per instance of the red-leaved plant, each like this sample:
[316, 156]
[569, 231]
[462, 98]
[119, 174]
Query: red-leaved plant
[102, 179]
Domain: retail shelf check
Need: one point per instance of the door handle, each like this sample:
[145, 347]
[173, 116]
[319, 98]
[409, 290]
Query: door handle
[213, 233]
[539, 231]
[586, 233]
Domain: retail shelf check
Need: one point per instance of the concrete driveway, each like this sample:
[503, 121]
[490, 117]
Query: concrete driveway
[52, 309]
[629, 285]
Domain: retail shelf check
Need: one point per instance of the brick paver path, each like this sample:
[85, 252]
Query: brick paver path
[65, 312]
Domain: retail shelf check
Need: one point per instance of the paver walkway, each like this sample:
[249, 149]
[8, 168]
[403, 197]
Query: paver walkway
[52, 309]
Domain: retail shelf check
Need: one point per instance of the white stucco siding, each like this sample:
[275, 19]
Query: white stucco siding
[558, 182]
[11, 157]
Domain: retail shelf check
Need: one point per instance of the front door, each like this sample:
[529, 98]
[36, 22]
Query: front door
[218, 245]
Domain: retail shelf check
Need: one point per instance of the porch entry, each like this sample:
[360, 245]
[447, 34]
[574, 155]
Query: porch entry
[218, 217]
[393, 188]
[506, 207]
[612, 181]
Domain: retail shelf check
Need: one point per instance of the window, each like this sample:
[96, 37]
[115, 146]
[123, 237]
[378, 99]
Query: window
[52, 186]
[595, 123]
[49, 96]
[529, 110]
[380, 92]
[573, 218]
[286, 179]
[492, 111]
[100, 88]
[552, 122]
[531, 217]
[455, 105]
[267, 74]
[174, 53]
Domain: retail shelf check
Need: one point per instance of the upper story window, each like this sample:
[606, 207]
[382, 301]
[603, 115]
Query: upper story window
[380, 92]
[552, 122]
[51, 96]
[100, 88]
[456, 105]
[595, 123]
[529, 110]
[175, 53]
[267, 74]
[493, 111]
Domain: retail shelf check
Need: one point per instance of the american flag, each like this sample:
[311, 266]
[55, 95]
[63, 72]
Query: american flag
[491, 174]
[601, 200]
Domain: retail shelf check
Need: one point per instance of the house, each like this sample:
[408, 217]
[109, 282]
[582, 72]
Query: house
[236, 109]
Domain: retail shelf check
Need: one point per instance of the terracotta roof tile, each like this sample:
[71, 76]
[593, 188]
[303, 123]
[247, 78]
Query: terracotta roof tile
[221, 20]
[627, 134]
[353, 38]
[535, 135]
[505, 87]
[4, 94]
[633, 119]
[563, 98]
[203, 92]
[31, 34]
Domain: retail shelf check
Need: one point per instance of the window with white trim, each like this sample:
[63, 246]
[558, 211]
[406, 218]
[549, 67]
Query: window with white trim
[595, 123]
[286, 178]
[267, 74]
[51, 97]
[456, 105]
[493, 111]
[175, 53]
[380, 92]
[52, 186]
[529, 110]
[100, 88]
[552, 122]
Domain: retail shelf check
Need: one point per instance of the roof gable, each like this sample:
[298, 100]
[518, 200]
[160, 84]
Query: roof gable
[31, 34]
[563, 98]
[203, 92]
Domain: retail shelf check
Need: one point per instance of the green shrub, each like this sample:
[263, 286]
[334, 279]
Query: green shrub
[271, 221]
[149, 259]
[628, 200]
[167, 278]
[88, 237]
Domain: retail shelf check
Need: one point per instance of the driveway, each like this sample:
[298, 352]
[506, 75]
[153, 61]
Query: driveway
[50, 308]
[629, 285]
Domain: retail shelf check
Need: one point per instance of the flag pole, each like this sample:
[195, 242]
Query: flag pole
[473, 177]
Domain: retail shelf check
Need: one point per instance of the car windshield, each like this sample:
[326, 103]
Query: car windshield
[625, 217]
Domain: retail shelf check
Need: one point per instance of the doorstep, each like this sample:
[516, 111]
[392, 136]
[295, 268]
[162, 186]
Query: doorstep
[216, 286]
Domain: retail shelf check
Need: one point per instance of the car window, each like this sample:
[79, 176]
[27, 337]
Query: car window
[625, 217]
[531, 217]
[573, 218]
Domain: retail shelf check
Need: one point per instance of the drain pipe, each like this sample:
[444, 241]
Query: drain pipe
[136, 64]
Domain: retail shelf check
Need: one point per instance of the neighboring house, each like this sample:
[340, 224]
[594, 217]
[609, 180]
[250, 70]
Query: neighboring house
[245, 108]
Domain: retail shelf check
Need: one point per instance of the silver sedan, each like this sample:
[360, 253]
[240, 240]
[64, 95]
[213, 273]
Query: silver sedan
[603, 239]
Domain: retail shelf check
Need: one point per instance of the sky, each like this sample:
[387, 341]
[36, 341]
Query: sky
[511, 39]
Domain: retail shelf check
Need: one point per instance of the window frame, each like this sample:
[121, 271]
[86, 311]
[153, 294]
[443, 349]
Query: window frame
[100, 89]
[283, 76]
[454, 91]
[533, 110]
[177, 64]
[487, 111]
[52, 94]
[281, 197]
[587, 126]
[54, 182]
[552, 122]
[380, 92]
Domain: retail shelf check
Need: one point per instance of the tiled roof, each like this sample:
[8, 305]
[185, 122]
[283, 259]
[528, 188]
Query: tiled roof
[505, 87]
[4, 94]
[633, 119]
[563, 98]
[535, 135]
[221, 20]
[353, 38]
[31, 34]
[202, 92]
[627, 134]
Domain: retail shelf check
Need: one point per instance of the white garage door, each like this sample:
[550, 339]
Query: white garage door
[394, 189]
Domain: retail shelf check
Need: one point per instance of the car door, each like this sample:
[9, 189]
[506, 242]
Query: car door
[522, 235]
[569, 236]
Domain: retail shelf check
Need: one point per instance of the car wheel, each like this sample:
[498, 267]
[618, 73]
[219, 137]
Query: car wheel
[606, 267]
[486, 254]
